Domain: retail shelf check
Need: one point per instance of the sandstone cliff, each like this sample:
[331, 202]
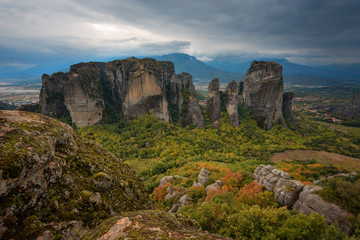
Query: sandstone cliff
[183, 99]
[232, 102]
[288, 102]
[54, 183]
[263, 93]
[128, 88]
[213, 103]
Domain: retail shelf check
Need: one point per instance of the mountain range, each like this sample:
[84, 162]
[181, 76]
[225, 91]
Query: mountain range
[226, 70]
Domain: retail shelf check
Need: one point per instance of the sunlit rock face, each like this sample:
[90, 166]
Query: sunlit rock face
[129, 88]
[263, 93]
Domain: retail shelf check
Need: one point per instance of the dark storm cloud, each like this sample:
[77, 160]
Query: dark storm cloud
[306, 31]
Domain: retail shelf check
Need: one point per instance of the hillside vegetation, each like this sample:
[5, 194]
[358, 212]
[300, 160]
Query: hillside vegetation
[157, 149]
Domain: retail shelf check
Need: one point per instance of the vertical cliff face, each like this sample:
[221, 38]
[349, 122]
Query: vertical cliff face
[129, 88]
[52, 95]
[183, 95]
[263, 93]
[213, 103]
[232, 102]
[288, 101]
[84, 94]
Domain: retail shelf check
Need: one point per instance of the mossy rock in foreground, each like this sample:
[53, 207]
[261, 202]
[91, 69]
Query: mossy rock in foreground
[150, 224]
[57, 184]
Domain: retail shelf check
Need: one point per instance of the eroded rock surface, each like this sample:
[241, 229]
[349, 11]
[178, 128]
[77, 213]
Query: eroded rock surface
[183, 100]
[288, 102]
[150, 224]
[232, 102]
[213, 103]
[129, 88]
[52, 180]
[263, 93]
[295, 195]
[309, 202]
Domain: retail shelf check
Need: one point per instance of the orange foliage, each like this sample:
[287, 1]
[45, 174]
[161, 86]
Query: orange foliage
[213, 192]
[250, 190]
[159, 192]
[232, 180]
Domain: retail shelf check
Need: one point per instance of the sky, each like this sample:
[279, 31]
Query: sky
[58, 32]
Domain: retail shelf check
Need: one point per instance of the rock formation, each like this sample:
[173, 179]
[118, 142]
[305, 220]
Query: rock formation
[53, 182]
[294, 194]
[309, 202]
[129, 88]
[183, 101]
[213, 103]
[263, 93]
[232, 102]
[30, 107]
[288, 101]
[151, 224]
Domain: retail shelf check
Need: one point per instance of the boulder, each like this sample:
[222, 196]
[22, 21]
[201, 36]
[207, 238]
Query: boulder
[232, 102]
[203, 176]
[213, 103]
[215, 186]
[287, 193]
[263, 93]
[310, 202]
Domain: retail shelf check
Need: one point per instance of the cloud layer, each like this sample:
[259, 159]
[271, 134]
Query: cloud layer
[306, 31]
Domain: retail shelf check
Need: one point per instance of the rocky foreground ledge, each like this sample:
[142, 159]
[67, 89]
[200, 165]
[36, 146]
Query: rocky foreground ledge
[294, 194]
[56, 185]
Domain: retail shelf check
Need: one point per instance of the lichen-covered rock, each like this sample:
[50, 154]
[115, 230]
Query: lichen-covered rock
[288, 101]
[183, 100]
[287, 193]
[184, 200]
[150, 224]
[213, 103]
[269, 176]
[263, 93]
[232, 102]
[310, 202]
[203, 176]
[295, 195]
[167, 179]
[49, 178]
[215, 186]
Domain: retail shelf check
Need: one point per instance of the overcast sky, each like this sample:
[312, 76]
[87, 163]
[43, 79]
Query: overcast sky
[309, 32]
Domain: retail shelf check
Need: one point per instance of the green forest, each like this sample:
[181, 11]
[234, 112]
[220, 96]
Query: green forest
[242, 209]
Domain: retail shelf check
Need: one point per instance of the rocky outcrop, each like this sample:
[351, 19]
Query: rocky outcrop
[52, 101]
[288, 102]
[128, 88]
[232, 102]
[150, 224]
[213, 103]
[295, 195]
[30, 107]
[215, 186]
[52, 180]
[263, 93]
[309, 202]
[203, 176]
[185, 107]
